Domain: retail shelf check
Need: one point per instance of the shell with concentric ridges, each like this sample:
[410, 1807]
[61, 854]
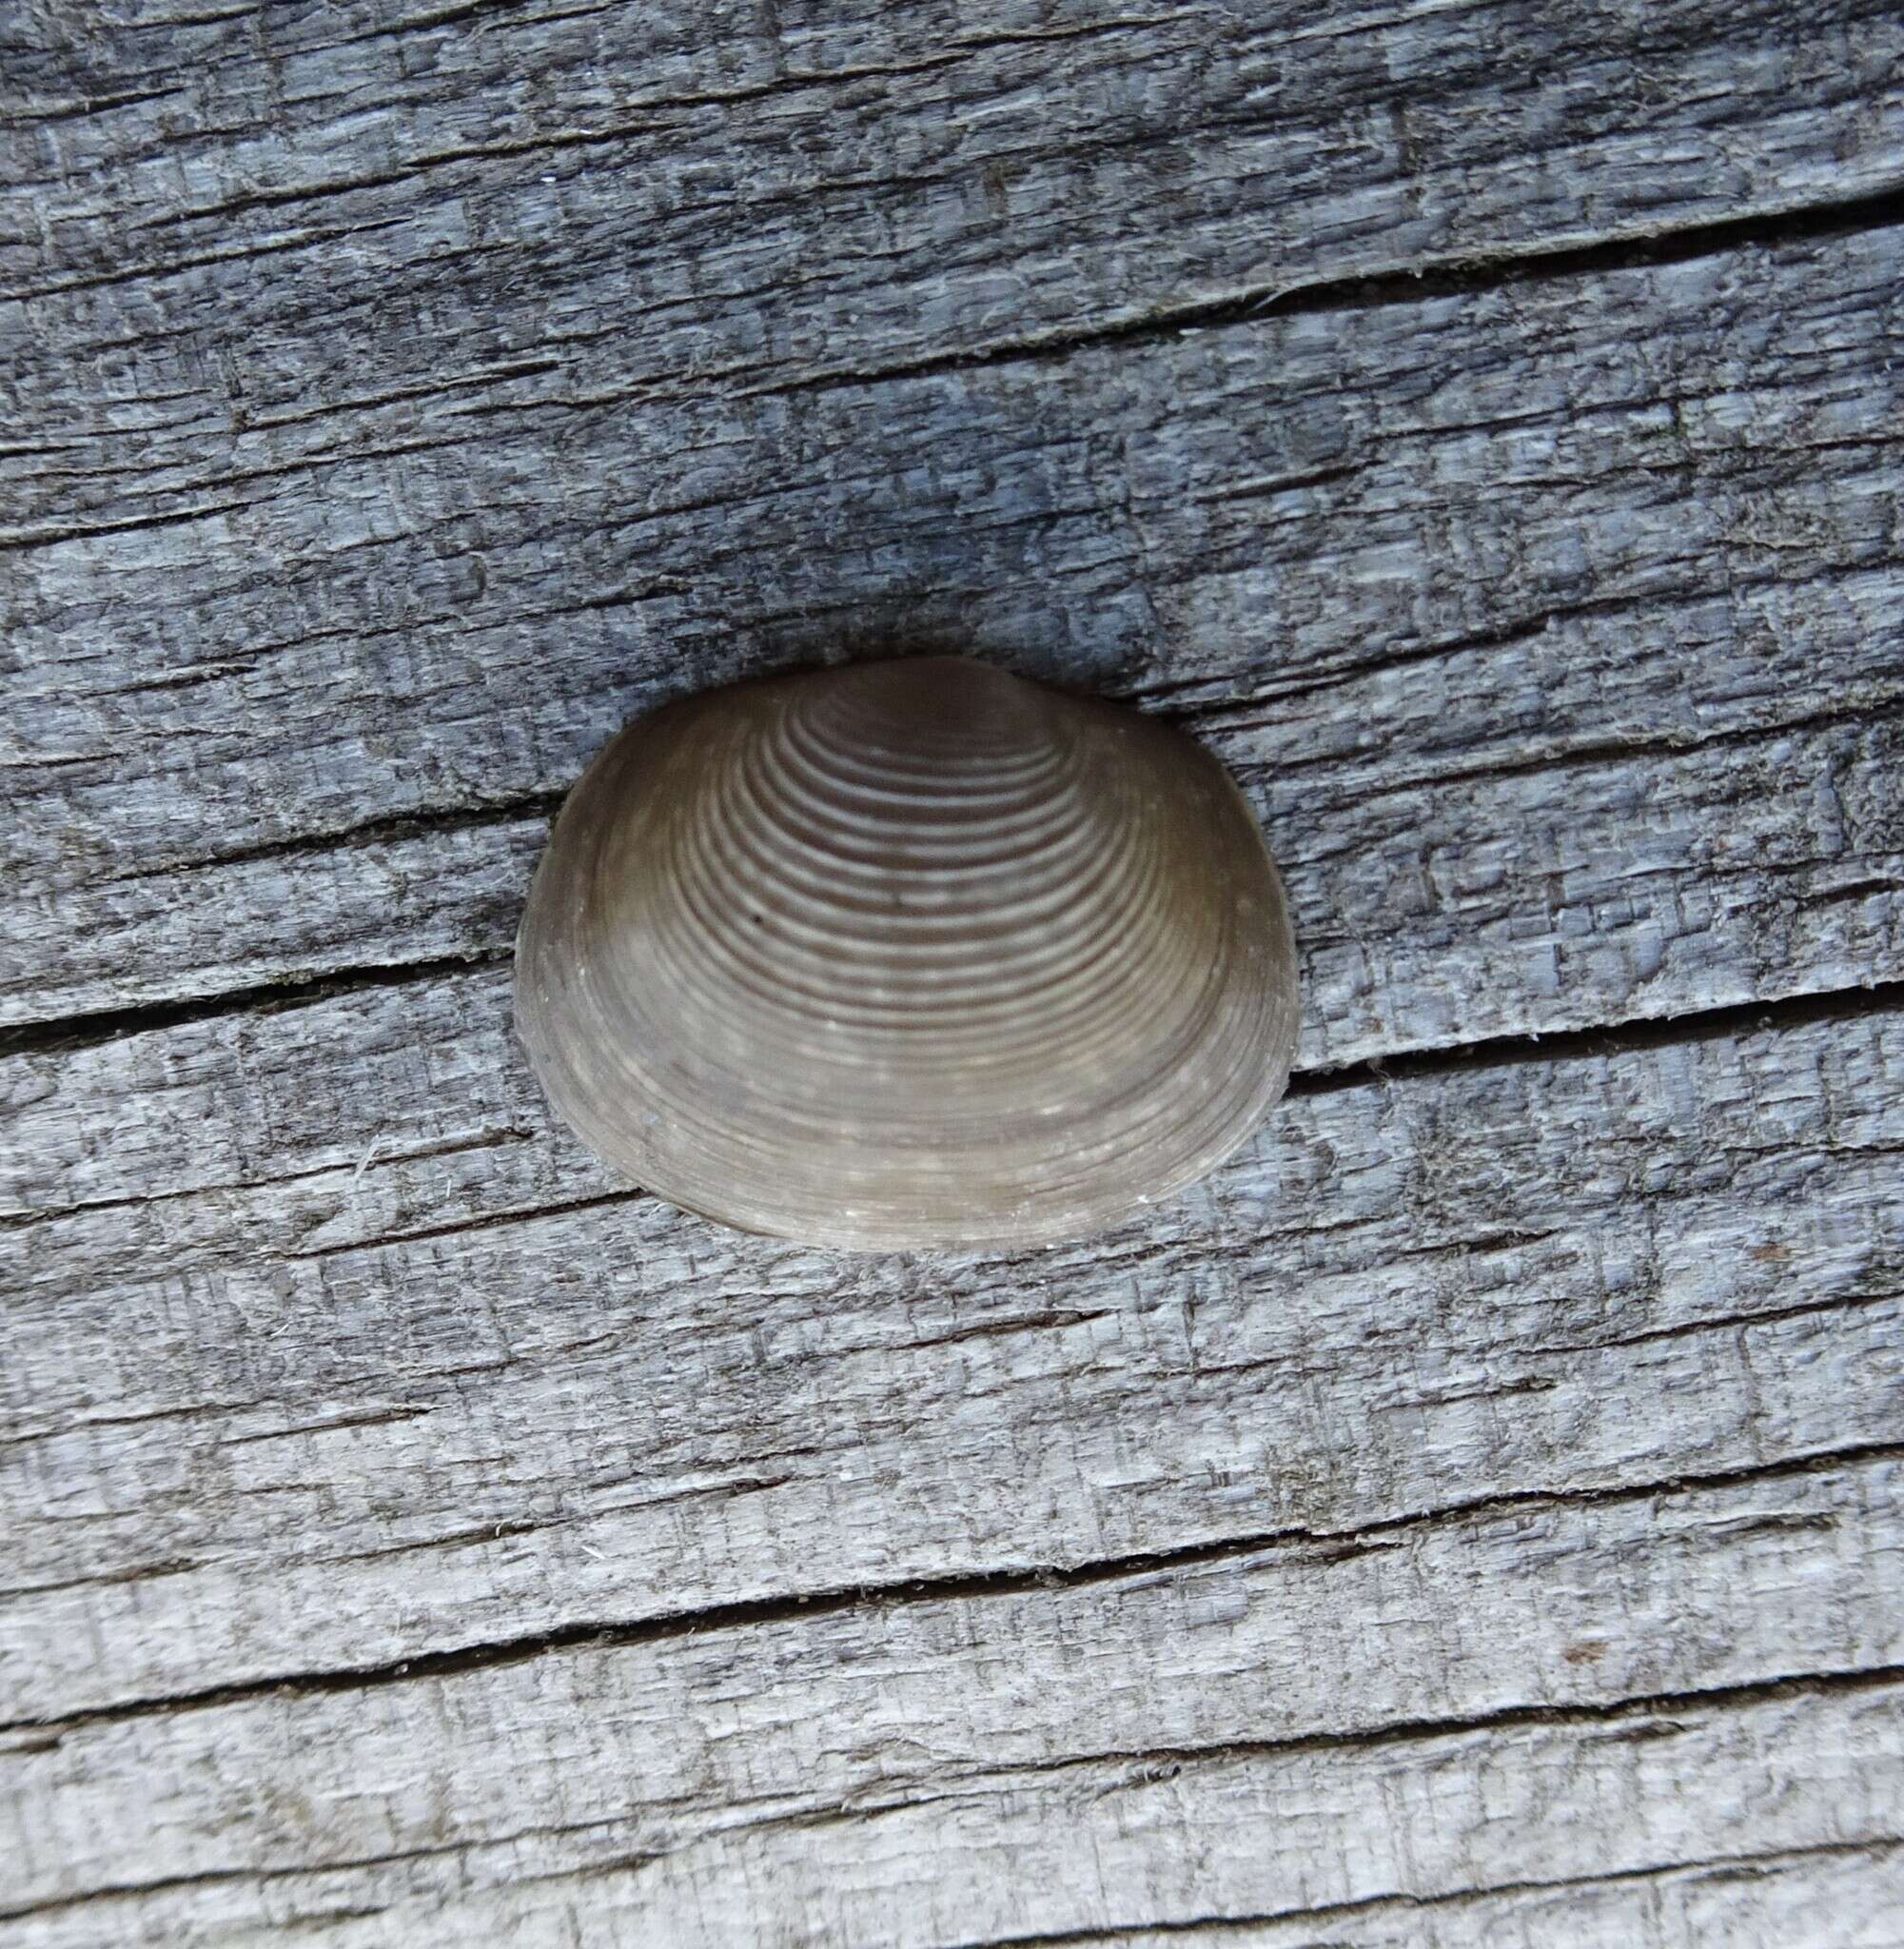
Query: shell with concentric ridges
[908, 954]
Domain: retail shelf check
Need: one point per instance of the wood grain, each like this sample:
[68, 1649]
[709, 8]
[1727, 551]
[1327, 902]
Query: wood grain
[871, 1772]
[1449, 639]
[1474, 1516]
[282, 212]
[336, 1423]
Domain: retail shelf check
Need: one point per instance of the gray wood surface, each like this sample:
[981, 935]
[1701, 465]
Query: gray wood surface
[1474, 1516]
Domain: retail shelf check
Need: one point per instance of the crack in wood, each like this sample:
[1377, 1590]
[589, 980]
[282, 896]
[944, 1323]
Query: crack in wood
[375, 1417]
[18, 540]
[1637, 1718]
[1769, 1316]
[206, 1878]
[71, 1032]
[1315, 1545]
[133, 1573]
[1401, 1900]
[380, 1159]
[1590, 754]
[528, 810]
[193, 1410]
[1054, 1320]
[1456, 275]
[485, 1534]
[1604, 1041]
[277, 247]
[488, 1222]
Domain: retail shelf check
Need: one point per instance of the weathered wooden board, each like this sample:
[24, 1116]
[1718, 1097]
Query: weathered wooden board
[342, 1421]
[275, 211]
[863, 1774]
[1453, 587]
[1476, 1514]
[1769, 1903]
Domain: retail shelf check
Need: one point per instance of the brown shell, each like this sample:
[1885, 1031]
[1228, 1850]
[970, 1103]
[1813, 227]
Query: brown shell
[908, 954]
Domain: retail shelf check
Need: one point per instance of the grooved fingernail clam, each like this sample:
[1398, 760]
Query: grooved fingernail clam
[908, 954]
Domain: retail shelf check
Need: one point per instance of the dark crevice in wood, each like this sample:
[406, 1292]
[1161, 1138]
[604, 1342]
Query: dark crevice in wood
[1599, 1042]
[211, 1878]
[1636, 1720]
[1589, 1044]
[182, 679]
[1609, 750]
[41, 113]
[19, 540]
[1227, 712]
[1219, 714]
[134, 1891]
[1451, 277]
[1508, 1239]
[376, 832]
[1281, 484]
[1713, 1867]
[273, 199]
[1842, 1302]
[192, 1410]
[1612, 1040]
[276, 247]
[108, 1025]
[967, 1586]
[1400, 1901]
[489, 1221]
[383, 1160]
[318, 462]
[1851, 890]
[478, 1538]
[1716, 1866]
[998, 1329]
[484, 1535]
[133, 1573]
[490, 375]
[371, 1417]
[1639, 1718]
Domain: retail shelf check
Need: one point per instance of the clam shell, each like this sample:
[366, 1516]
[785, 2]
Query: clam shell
[908, 954]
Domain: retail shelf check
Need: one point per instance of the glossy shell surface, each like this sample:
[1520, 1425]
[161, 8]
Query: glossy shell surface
[908, 955]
